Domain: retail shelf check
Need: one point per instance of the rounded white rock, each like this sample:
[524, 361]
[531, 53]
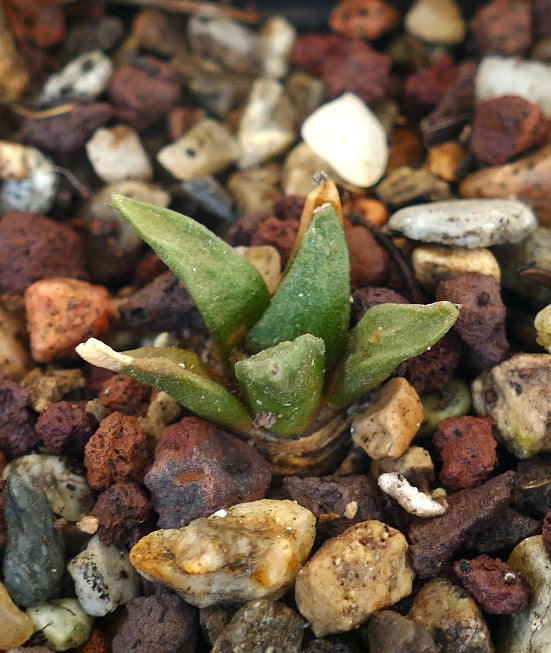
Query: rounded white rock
[436, 21]
[62, 622]
[348, 135]
[116, 153]
[466, 223]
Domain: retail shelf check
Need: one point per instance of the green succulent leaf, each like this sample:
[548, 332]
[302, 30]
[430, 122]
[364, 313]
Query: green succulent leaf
[387, 335]
[313, 296]
[179, 373]
[228, 290]
[283, 384]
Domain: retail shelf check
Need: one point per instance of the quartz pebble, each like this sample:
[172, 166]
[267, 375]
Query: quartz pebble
[350, 138]
[15, 626]
[452, 617]
[497, 76]
[116, 153]
[81, 80]
[207, 148]
[529, 631]
[247, 552]
[352, 576]
[103, 577]
[277, 38]
[542, 323]
[466, 223]
[68, 493]
[436, 21]
[62, 623]
[515, 395]
[391, 632]
[34, 560]
[409, 497]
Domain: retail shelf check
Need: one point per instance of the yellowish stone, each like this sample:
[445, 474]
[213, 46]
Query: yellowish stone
[15, 626]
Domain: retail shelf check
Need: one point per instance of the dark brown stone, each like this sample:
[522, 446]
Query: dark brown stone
[541, 12]
[241, 231]
[434, 369]
[17, 436]
[281, 234]
[199, 468]
[503, 27]
[493, 585]
[122, 394]
[369, 261]
[532, 488]
[64, 428]
[546, 534]
[119, 509]
[509, 528]
[93, 34]
[425, 88]
[289, 207]
[366, 298]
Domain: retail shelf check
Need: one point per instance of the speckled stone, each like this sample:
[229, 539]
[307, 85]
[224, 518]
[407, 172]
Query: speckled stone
[466, 223]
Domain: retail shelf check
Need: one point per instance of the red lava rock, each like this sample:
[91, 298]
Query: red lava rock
[161, 305]
[365, 298]
[17, 436]
[39, 22]
[481, 321]
[125, 395]
[369, 261]
[65, 428]
[148, 268]
[506, 126]
[433, 541]
[541, 14]
[33, 247]
[425, 88]
[66, 132]
[199, 468]
[454, 111]
[144, 91]
[93, 34]
[97, 643]
[288, 207]
[337, 501]
[241, 231]
[281, 234]
[63, 312]
[118, 451]
[119, 509]
[432, 370]
[493, 585]
[546, 534]
[163, 623]
[509, 528]
[364, 19]
[503, 27]
[467, 450]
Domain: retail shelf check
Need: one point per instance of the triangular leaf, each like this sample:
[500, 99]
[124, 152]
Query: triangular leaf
[228, 290]
[387, 335]
[179, 373]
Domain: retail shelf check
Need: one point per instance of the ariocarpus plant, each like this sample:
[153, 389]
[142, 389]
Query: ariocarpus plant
[296, 357]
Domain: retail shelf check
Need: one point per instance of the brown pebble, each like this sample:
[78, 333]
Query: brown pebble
[365, 298]
[241, 231]
[117, 451]
[434, 369]
[364, 19]
[288, 207]
[503, 27]
[17, 436]
[33, 247]
[144, 91]
[433, 541]
[119, 509]
[369, 261]
[425, 88]
[467, 449]
[122, 394]
[181, 119]
[97, 643]
[101, 33]
[200, 468]
[405, 149]
[509, 528]
[65, 428]
[506, 126]
[546, 534]
[541, 15]
[493, 584]
[158, 32]
[281, 234]
[63, 312]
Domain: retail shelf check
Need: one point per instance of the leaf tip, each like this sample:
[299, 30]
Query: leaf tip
[98, 353]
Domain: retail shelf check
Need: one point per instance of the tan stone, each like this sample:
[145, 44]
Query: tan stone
[267, 260]
[415, 464]
[444, 159]
[15, 626]
[389, 425]
[352, 576]
[433, 263]
[436, 21]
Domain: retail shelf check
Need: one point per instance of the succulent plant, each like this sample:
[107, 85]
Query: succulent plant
[298, 365]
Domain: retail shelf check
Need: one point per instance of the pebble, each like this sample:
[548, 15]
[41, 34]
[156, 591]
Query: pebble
[542, 324]
[68, 493]
[103, 577]
[515, 395]
[62, 623]
[452, 617]
[391, 632]
[13, 164]
[46, 386]
[389, 425]
[15, 626]
[13, 72]
[162, 411]
[209, 194]
[443, 160]
[34, 559]
[257, 188]
[503, 27]
[346, 134]
[247, 552]
[497, 76]
[306, 92]
[466, 223]
[352, 576]
[15, 359]
[260, 622]
[364, 19]
[299, 168]
[81, 80]
[207, 148]
[529, 631]
[434, 263]
[406, 185]
[37, 192]
[415, 465]
[116, 153]
[277, 38]
[436, 21]
[267, 260]
[63, 312]
[267, 125]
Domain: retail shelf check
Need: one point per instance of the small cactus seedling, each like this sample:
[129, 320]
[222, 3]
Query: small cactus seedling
[296, 354]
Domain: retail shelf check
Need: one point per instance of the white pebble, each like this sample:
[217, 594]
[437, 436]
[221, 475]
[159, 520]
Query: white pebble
[436, 21]
[37, 192]
[348, 135]
[116, 153]
[104, 578]
[62, 622]
[542, 324]
[409, 497]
